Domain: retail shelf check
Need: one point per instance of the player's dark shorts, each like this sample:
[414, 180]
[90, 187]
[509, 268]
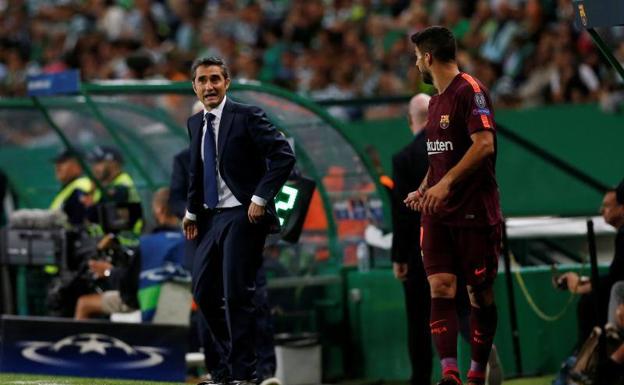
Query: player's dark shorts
[472, 251]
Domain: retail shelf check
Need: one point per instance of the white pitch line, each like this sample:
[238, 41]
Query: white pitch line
[34, 382]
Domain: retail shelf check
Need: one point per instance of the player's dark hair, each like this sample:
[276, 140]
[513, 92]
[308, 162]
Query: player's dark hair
[438, 41]
[209, 61]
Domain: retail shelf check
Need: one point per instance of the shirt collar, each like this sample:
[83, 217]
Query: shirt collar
[218, 110]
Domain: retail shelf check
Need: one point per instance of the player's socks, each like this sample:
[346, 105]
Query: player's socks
[444, 331]
[483, 322]
[449, 367]
[476, 374]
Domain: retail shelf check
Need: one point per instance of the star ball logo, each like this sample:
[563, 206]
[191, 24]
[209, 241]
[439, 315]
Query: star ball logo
[82, 350]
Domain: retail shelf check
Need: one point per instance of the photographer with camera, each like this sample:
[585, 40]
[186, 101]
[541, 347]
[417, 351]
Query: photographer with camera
[159, 254]
[107, 166]
[612, 211]
[117, 185]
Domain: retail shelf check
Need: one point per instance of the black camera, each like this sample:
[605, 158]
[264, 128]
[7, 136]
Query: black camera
[34, 237]
[115, 217]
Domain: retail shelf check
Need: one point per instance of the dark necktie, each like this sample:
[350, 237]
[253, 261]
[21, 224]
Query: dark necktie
[211, 196]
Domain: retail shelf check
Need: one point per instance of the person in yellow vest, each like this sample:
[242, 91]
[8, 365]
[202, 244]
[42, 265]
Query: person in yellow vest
[117, 185]
[107, 167]
[74, 187]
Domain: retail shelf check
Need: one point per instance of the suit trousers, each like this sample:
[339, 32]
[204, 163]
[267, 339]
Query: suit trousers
[227, 258]
[265, 347]
[418, 308]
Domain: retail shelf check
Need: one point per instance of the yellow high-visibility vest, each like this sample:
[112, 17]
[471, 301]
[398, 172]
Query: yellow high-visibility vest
[82, 183]
[123, 180]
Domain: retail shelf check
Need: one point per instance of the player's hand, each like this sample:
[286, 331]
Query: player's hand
[413, 200]
[399, 270]
[190, 228]
[255, 213]
[434, 197]
[575, 283]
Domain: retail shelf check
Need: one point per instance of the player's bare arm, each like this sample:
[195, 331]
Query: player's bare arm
[482, 147]
[413, 199]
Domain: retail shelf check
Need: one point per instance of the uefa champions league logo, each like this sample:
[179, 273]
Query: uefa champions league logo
[86, 349]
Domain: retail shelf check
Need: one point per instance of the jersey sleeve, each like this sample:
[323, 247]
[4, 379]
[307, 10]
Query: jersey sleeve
[477, 107]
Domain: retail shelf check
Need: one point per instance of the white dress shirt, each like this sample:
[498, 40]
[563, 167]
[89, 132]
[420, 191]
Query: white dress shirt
[226, 197]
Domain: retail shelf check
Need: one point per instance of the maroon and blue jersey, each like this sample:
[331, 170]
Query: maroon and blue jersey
[463, 109]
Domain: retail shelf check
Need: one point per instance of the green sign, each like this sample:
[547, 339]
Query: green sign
[291, 205]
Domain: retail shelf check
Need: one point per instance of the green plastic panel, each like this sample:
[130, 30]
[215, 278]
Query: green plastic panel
[379, 329]
[581, 135]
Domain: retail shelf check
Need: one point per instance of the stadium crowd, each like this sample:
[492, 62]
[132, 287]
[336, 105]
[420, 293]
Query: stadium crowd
[527, 52]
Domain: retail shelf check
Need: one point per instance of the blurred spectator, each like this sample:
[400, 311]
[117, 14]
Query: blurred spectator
[528, 51]
[158, 258]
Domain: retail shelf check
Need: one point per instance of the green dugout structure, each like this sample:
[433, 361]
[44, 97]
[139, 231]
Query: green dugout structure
[359, 315]
[147, 122]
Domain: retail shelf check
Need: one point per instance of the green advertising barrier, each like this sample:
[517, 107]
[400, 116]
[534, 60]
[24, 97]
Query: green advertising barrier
[584, 137]
[546, 319]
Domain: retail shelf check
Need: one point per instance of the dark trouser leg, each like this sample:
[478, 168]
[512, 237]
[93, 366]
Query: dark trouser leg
[586, 318]
[265, 347]
[242, 256]
[215, 364]
[208, 292]
[418, 307]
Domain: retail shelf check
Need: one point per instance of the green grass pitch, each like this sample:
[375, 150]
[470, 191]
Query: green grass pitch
[28, 379]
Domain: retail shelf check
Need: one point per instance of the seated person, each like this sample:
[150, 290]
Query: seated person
[161, 250]
[612, 211]
[610, 369]
[590, 364]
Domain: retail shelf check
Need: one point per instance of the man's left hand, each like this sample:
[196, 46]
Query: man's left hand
[434, 197]
[255, 213]
[400, 270]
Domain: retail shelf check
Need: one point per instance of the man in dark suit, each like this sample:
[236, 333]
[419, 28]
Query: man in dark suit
[238, 163]
[265, 348]
[409, 167]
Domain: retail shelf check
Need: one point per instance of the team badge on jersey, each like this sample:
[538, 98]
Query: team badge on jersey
[480, 100]
[444, 121]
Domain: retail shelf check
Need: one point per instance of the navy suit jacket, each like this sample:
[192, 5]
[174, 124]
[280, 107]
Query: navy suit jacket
[253, 158]
[409, 167]
[178, 188]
